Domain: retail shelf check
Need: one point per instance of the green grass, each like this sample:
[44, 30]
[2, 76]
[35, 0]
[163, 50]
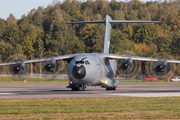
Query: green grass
[165, 83]
[32, 80]
[126, 107]
[42, 80]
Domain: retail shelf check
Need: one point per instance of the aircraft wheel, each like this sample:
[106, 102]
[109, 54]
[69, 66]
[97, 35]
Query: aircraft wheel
[83, 87]
[110, 88]
[114, 88]
[75, 88]
[79, 88]
[107, 88]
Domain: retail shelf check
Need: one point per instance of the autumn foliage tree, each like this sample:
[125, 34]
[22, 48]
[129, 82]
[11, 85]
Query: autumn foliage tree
[45, 27]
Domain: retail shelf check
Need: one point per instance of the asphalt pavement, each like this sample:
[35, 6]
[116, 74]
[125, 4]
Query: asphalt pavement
[30, 91]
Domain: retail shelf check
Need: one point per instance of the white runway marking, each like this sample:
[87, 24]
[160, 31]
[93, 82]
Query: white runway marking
[148, 94]
[8, 94]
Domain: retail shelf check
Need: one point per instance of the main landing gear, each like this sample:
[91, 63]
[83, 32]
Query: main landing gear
[79, 88]
[110, 88]
[83, 87]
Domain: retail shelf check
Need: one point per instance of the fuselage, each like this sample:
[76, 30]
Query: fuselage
[92, 69]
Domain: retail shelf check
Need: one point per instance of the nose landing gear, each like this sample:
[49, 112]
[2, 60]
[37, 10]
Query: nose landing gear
[79, 88]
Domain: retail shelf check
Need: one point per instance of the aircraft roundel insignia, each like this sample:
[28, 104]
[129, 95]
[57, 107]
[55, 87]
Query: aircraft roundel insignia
[109, 31]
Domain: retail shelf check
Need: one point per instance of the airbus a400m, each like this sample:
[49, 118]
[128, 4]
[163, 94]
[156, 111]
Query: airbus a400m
[98, 69]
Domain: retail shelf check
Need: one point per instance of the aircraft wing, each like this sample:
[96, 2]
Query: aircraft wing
[114, 56]
[43, 59]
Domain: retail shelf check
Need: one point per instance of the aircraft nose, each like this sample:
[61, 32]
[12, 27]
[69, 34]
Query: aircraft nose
[79, 72]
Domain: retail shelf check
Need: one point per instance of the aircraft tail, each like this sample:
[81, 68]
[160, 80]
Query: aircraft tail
[107, 34]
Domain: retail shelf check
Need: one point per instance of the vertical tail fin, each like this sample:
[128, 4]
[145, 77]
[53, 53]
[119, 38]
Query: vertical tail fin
[107, 34]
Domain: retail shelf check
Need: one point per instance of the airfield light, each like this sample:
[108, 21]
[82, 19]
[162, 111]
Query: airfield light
[40, 62]
[31, 66]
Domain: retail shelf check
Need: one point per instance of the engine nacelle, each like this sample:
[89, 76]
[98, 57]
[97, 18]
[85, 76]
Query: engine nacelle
[127, 65]
[50, 66]
[160, 69]
[127, 68]
[161, 66]
[18, 68]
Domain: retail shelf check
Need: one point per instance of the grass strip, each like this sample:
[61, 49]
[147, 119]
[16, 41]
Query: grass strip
[124, 108]
[4, 80]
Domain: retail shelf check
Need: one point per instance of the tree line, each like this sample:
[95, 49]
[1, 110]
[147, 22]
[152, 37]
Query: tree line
[46, 28]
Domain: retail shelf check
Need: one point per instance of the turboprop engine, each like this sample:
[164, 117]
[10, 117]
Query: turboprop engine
[127, 68]
[18, 71]
[160, 69]
[127, 65]
[51, 67]
[18, 68]
[160, 66]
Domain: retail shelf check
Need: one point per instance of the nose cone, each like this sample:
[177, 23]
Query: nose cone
[79, 72]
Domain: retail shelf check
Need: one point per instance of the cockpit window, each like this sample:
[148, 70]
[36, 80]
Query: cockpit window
[87, 62]
[82, 62]
[79, 62]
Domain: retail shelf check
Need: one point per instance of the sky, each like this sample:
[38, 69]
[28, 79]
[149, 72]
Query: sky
[21, 7]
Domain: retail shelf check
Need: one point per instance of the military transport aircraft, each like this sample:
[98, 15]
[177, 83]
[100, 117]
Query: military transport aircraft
[97, 69]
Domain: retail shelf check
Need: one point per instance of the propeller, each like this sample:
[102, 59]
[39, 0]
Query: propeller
[127, 65]
[18, 71]
[160, 66]
[160, 69]
[127, 68]
[50, 68]
[18, 68]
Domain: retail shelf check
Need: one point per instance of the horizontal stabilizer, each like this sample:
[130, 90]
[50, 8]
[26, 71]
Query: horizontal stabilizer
[113, 21]
[83, 22]
[132, 21]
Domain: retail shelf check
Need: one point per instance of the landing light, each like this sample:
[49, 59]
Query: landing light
[104, 82]
[70, 82]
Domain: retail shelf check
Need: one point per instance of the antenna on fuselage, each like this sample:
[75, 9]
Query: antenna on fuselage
[107, 33]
